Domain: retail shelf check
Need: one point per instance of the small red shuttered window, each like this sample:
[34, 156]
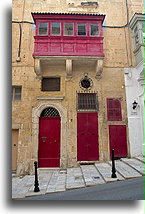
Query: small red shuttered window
[114, 109]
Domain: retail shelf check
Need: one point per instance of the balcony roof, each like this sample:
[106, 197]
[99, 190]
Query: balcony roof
[135, 18]
[46, 15]
[84, 14]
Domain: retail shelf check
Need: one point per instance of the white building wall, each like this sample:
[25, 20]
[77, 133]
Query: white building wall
[135, 91]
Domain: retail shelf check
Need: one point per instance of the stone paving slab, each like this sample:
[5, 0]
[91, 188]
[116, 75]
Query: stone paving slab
[106, 171]
[43, 179]
[125, 170]
[91, 175]
[21, 186]
[74, 178]
[57, 183]
[136, 164]
[51, 181]
[15, 182]
[140, 158]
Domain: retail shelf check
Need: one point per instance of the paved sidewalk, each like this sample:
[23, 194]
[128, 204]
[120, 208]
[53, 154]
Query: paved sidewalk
[51, 181]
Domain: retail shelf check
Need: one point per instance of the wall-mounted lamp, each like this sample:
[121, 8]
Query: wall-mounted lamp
[134, 104]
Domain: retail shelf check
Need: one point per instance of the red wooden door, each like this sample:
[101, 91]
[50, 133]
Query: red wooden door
[49, 142]
[87, 137]
[118, 140]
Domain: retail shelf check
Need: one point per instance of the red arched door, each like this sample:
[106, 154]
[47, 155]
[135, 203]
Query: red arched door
[49, 138]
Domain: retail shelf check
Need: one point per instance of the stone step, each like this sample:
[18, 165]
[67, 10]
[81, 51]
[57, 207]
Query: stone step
[140, 158]
[106, 171]
[135, 164]
[91, 175]
[74, 178]
[56, 183]
[47, 170]
[21, 186]
[125, 170]
[43, 180]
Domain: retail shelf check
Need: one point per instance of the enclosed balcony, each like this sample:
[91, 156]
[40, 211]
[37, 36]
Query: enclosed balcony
[70, 36]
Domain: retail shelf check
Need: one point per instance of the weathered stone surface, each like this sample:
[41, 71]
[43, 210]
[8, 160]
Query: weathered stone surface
[57, 183]
[20, 186]
[125, 170]
[74, 178]
[106, 171]
[91, 175]
[141, 158]
[135, 164]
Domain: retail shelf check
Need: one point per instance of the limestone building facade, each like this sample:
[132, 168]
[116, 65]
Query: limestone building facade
[134, 84]
[79, 91]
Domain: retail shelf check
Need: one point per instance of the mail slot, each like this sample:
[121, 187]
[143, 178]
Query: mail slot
[43, 137]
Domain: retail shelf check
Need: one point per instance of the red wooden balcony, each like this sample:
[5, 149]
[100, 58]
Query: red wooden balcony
[59, 34]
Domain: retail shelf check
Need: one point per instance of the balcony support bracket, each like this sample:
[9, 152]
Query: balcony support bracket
[69, 70]
[99, 68]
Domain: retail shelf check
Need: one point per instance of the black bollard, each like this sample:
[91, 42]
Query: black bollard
[36, 184]
[113, 166]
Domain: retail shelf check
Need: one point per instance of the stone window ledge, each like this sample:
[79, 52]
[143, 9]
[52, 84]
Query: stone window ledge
[51, 97]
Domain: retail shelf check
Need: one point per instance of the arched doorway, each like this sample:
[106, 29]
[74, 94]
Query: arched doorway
[49, 138]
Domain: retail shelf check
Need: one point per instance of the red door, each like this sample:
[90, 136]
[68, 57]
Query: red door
[87, 137]
[49, 142]
[118, 140]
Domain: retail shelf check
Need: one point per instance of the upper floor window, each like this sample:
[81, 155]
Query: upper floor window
[94, 30]
[68, 29]
[51, 84]
[43, 28]
[55, 28]
[16, 92]
[87, 102]
[81, 29]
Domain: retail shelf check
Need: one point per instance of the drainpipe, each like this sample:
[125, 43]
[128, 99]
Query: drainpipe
[18, 59]
[129, 41]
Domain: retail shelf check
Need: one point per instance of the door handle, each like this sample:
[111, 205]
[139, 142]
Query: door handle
[55, 141]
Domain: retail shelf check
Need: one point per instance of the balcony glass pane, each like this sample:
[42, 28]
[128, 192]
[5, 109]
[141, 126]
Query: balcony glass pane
[94, 30]
[55, 28]
[81, 30]
[68, 31]
[43, 27]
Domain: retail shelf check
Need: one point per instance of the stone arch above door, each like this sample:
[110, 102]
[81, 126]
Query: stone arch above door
[36, 112]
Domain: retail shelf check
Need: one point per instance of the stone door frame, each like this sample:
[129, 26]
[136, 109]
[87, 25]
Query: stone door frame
[36, 112]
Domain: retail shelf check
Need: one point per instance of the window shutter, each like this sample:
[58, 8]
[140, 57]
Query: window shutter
[110, 112]
[113, 109]
[118, 115]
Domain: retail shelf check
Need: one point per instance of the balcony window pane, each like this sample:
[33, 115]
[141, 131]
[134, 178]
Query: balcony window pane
[55, 28]
[43, 27]
[94, 30]
[68, 31]
[81, 30]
